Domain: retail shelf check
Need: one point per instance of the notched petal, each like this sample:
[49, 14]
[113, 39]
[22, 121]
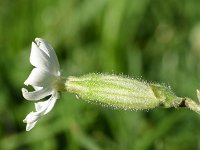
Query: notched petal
[46, 106]
[36, 95]
[41, 106]
[39, 77]
[52, 102]
[29, 126]
[48, 49]
[39, 58]
[31, 117]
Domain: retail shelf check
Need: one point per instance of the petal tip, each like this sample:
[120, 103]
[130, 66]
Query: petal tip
[26, 83]
[24, 90]
[38, 40]
[25, 121]
[33, 45]
[30, 126]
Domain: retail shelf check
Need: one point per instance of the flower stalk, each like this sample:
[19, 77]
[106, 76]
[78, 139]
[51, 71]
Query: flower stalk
[189, 103]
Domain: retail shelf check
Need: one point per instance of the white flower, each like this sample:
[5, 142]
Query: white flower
[44, 78]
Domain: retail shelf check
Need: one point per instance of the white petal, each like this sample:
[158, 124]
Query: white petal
[37, 87]
[48, 49]
[29, 126]
[46, 106]
[32, 117]
[36, 95]
[52, 102]
[41, 106]
[39, 77]
[39, 58]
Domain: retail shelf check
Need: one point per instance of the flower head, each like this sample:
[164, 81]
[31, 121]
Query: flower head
[44, 78]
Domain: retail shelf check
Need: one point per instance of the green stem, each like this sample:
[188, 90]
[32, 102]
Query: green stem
[188, 103]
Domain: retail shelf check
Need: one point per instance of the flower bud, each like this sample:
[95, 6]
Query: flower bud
[120, 92]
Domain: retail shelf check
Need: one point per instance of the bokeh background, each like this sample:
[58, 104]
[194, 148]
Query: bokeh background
[158, 41]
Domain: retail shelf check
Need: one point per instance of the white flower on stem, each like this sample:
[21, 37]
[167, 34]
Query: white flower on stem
[44, 78]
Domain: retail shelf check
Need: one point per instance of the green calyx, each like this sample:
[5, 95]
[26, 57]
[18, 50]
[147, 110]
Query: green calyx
[120, 92]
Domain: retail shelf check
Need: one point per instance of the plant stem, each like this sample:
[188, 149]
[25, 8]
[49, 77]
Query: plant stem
[191, 104]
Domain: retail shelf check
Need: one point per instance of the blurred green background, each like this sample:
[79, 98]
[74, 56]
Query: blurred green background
[155, 40]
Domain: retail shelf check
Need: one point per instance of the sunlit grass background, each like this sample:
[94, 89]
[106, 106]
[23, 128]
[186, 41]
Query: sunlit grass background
[155, 40]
